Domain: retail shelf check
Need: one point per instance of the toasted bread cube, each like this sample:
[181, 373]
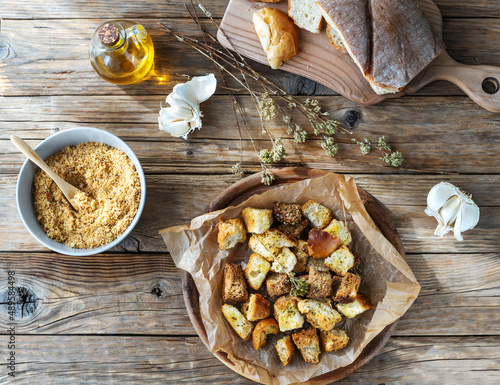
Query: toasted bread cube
[319, 314]
[262, 330]
[256, 308]
[307, 342]
[231, 232]
[301, 255]
[339, 229]
[278, 284]
[238, 322]
[336, 282]
[294, 230]
[234, 288]
[274, 237]
[320, 284]
[257, 246]
[284, 262]
[348, 289]
[334, 339]
[318, 215]
[317, 263]
[321, 244]
[257, 220]
[351, 310]
[285, 348]
[256, 271]
[287, 213]
[341, 261]
[287, 314]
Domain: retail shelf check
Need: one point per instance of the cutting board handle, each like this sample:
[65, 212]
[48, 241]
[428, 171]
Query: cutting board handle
[480, 82]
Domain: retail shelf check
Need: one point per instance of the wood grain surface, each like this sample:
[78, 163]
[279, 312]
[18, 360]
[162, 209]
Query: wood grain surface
[119, 317]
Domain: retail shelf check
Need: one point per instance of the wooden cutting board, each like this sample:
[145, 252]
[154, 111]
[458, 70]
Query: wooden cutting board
[318, 60]
[252, 185]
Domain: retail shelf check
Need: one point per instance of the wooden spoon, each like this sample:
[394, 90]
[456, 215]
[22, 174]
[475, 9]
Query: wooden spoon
[68, 190]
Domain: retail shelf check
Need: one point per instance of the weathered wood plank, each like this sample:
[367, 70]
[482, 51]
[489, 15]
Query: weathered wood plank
[62, 9]
[176, 199]
[142, 294]
[150, 360]
[56, 61]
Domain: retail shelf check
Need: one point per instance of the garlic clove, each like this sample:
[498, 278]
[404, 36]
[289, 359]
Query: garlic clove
[177, 102]
[450, 210]
[439, 195]
[204, 86]
[174, 114]
[181, 128]
[186, 93]
[470, 216]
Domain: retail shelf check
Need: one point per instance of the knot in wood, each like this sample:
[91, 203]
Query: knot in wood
[157, 290]
[5, 50]
[25, 302]
[352, 117]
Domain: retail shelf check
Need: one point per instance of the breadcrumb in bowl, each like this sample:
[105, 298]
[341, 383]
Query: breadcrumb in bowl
[134, 189]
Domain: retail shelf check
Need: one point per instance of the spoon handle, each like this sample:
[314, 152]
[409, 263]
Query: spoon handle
[67, 189]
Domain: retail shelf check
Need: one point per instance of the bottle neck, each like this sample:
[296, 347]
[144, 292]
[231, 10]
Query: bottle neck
[110, 38]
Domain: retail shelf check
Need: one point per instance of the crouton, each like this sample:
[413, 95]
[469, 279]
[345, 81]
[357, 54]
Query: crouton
[274, 237]
[321, 244]
[318, 215]
[231, 232]
[287, 213]
[294, 230]
[302, 255]
[237, 321]
[257, 220]
[256, 308]
[287, 314]
[336, 282]
[257, 246]
[278, 284]
[256, 271]
[358, 306]
[320, 284]
[262, 330]
[284, 262]
[348, 289]
[234, 288]
[319, 314]
[318, 264]
[285, 348]
[307, 342]
[334, 339]
[339, 229]
[341, 261]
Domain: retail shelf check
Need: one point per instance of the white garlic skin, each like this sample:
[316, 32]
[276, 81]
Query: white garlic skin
[453, 208]
[184, 114]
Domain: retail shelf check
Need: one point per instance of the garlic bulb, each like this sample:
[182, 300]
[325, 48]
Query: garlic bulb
[184, 114]
[453, 208]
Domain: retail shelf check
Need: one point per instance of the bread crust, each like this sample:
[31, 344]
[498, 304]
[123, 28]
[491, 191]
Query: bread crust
[307, 342]
[234, 289]
[262, 330]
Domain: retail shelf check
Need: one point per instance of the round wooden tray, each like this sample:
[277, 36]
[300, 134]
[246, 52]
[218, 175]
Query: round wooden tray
[252, 185]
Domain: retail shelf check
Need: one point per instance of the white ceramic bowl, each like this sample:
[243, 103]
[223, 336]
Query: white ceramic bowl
[52, 145]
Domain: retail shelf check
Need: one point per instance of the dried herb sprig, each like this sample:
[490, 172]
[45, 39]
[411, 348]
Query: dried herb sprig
[300, 286]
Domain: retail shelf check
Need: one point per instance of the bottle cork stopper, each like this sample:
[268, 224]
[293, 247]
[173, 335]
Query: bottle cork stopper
[109, 34]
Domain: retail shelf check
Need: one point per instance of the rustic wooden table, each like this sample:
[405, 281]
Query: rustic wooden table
[120, 317]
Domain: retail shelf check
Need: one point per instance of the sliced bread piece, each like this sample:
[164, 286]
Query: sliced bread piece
[305, 14]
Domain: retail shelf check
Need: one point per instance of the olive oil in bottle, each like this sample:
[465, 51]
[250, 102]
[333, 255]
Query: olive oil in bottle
[121, 52]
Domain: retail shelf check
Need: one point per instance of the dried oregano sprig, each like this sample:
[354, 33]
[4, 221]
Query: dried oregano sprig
[300, 286]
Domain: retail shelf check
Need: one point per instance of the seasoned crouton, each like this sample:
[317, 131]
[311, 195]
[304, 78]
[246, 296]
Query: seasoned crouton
[274, 237]
[238, 322]
[321, 244]
[294, 230]
[231, 232]
[341, 261]
[308, 343]
[348, 289]
[287, 314]
[351, 310]
[320, 284]
[287, 213]
[320, 314]
[301, 255]
[278, 284]
[339, 229]
[334, 339]
[284, 262]
[318, 215]
[257, 246]
[234, 288]
[256, 271]
[257, 220]
[318, 264]
[336, 282]
[262, 330]
[256, 308]
[285, 348]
